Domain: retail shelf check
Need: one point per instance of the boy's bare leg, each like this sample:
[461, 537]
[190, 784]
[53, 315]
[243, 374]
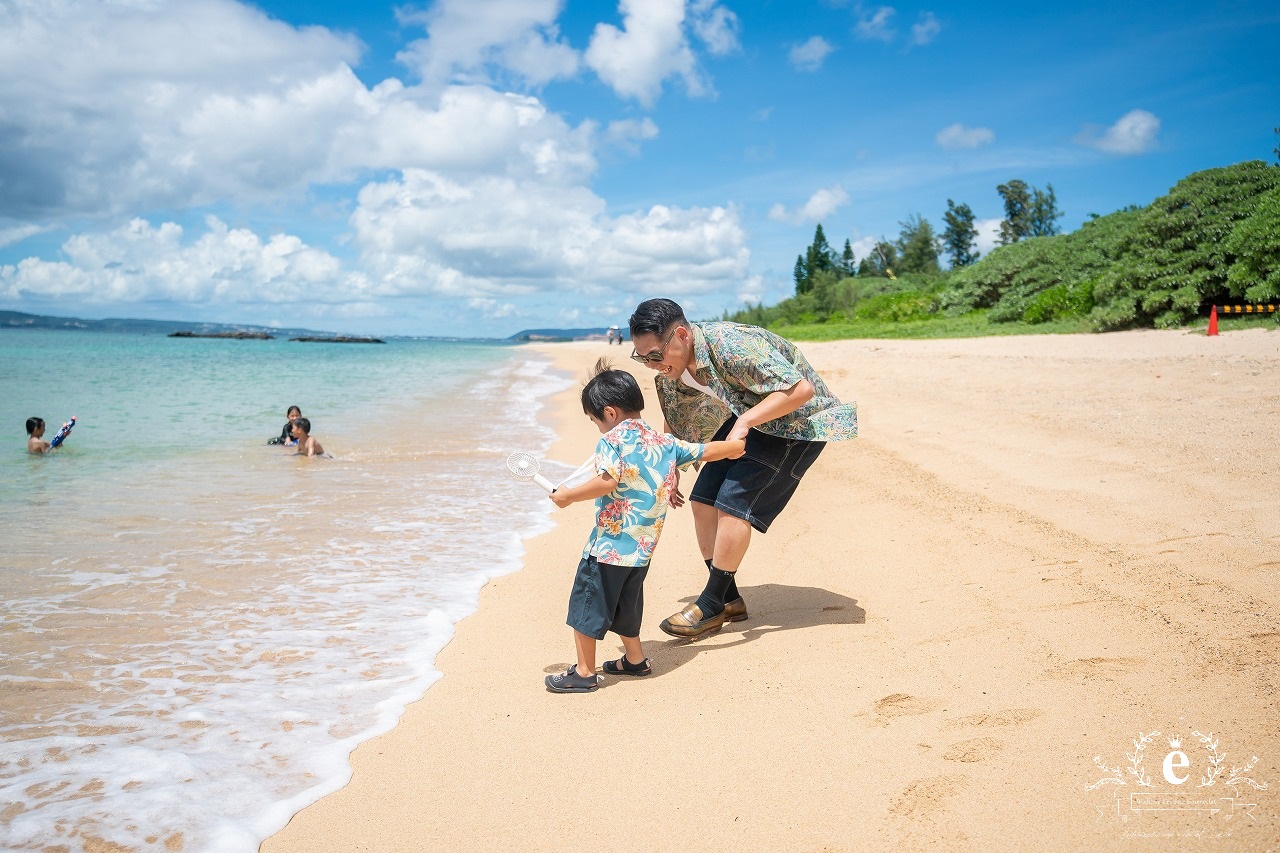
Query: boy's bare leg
[635, 652]
[586, 654]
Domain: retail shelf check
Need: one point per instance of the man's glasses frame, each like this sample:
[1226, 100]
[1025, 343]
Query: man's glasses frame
[654, 357]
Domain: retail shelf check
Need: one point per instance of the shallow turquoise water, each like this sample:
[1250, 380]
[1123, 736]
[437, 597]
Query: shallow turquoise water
[197, 627]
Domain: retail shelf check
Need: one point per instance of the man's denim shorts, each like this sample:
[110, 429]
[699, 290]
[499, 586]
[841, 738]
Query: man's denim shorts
[756, 486]
[606, 597]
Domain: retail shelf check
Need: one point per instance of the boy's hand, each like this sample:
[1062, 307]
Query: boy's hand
[739, 449]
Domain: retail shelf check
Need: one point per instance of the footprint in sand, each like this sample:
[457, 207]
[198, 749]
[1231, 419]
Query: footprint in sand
[1094, 669]
[969, 751]
[1007, 717]
[927, 796]
[903, 705]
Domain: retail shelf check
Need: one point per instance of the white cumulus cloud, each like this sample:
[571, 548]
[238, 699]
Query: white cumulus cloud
[497, 237]
[820, 205]
[809, 55]
[651, 46]
[141, 262]
[1136, 132]
[465, 39]
[877, 25]
[988, 236]
[715, 25]
[925, 29]
[113, 108]
[958, 136]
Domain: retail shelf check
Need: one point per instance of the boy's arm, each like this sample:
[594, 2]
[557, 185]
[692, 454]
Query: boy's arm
[714, 450]
[588, 491]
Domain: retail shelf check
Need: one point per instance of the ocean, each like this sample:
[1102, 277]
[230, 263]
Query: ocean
[197, 628]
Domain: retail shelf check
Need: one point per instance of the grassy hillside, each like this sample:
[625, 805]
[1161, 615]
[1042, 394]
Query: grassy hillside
[1213, 239]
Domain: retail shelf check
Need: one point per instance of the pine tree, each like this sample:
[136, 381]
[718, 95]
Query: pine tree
[918, 247]
[819, 257]
[960, 235]
[846, 259]
[1017, 209]
[1044, 214]
[801, 276]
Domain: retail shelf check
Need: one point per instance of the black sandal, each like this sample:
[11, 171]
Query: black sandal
[570, 682]
[622, 666]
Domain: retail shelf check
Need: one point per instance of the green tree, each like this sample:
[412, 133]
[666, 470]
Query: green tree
[1043, 214]
[801, 276]
[819, 256]
[1017, 211]
[917, 246]
[960, 235]
[847, 265]
[1276, 150]
[1255, 243]
[1182, 249]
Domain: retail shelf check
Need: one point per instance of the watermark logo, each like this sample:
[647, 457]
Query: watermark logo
[1194, 778]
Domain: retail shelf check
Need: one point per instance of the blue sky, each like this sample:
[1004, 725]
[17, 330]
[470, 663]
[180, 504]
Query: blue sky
[476, 167]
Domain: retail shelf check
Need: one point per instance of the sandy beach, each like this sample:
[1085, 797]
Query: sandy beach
[977, 626]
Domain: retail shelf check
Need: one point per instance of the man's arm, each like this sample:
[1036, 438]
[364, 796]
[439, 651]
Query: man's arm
[772, 407]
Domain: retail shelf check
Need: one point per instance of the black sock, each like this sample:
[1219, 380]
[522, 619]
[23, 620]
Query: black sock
[730, 594]
[711, 602]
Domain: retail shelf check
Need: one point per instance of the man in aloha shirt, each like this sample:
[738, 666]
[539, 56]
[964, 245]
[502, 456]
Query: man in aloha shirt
[729, 381]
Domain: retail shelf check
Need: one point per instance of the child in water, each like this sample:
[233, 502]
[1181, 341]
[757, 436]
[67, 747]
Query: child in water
[307, 444]
[35, 436]
[286, 434]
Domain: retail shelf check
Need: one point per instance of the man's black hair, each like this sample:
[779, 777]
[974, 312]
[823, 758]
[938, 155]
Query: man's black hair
[656, 317]
[609, 387]
[34, 424]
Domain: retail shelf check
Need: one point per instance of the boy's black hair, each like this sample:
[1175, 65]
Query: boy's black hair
[34, 424]
[609, 387]
[303, 424]
[656, 317]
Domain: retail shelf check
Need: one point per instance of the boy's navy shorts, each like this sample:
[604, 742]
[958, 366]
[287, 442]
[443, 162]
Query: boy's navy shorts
[757, 485]
[606, 597]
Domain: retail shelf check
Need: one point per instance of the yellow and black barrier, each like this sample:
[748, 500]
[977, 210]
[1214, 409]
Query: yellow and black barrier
[1239, 310]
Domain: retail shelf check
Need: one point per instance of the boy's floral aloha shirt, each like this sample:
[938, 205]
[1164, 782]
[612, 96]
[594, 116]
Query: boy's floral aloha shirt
[742, 365]
[643, 462]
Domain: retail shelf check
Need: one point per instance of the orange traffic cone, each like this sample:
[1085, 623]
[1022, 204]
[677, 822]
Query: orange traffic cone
[1213, 321]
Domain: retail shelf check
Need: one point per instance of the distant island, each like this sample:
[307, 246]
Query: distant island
[339, 339]
[241, 336]
[19, 320]
[188, 329]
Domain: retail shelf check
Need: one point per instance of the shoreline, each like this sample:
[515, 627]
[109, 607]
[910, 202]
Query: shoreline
[1038, 547]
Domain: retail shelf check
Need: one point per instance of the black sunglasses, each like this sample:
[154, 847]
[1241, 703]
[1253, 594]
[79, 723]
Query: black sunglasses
[653, 357]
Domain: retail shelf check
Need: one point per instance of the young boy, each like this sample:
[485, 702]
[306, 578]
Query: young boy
[300, 428]
[636, 468]
[35, 436]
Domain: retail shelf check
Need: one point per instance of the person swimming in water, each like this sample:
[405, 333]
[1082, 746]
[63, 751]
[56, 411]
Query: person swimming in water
[286, 434]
